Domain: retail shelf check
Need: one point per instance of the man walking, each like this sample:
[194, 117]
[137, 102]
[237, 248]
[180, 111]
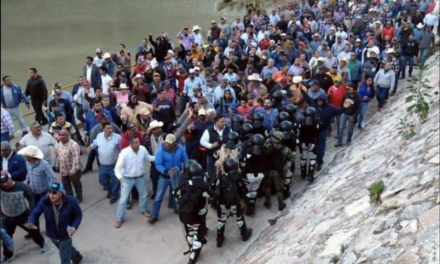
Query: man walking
[170, 158]
[37, 90]
[107, 146]
[12, 97]
[63, 217]
[40, 174]
[16, 204]
[350, 113]
[130, 170]
[69, 162]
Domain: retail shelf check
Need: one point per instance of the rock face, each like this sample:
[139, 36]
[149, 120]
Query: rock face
[336, 210]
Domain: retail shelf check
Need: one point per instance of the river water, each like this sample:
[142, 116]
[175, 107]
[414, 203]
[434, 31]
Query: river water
[55, 36]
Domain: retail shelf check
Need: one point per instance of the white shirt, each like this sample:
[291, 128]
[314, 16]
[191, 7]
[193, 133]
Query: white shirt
[44, 142]
[430, 20]
[204, 140]
[80, 96]
[89, 73]
[132, 164]
[106, 81]
[98, 61]
[5, 162]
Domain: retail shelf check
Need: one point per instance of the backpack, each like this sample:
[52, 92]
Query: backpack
[190, 202]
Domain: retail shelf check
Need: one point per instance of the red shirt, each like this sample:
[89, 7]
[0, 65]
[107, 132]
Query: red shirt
[244, 111]
[181, 81]
[125, 140]
[388, 32]
[338, 95]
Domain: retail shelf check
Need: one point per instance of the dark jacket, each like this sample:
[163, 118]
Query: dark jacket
[16, 167]
[95, 76]
[354, 109]
[37, 89]
[160, 50]
[70, 215]
[326, 112]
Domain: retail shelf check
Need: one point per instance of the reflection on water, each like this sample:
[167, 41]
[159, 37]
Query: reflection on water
[55, 36]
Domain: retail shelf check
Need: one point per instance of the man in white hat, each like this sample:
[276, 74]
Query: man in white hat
[395, 67]
[197, 36]
[153, 140]
[98, 60]
[39, 172]
[109, 64]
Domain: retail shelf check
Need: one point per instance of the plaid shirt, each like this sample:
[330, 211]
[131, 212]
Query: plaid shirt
[68, 156]
[321, 27]
[395, 64]
[7, 123]
[40, 176]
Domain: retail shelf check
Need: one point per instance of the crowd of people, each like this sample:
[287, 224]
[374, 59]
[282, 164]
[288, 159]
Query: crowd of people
[217, 120]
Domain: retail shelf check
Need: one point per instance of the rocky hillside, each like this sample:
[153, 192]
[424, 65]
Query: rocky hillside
[333, 220]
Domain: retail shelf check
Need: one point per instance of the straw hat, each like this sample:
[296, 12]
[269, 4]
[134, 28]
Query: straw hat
[107, 55]
[196, 27]
[170, 139]
[155, 124]
[420, 25]
[32, 152]
[390, 50]
[297, 79]
[123, 86]
[138, 76]
[255, 77]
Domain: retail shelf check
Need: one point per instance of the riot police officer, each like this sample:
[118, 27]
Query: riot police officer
[230, 187]
[309, 132]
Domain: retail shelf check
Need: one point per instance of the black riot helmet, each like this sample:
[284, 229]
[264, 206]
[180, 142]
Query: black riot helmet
[310, 116]
[257, 120]
[283, 116]
[287, 128]
[247, 128]
[257, 144]
[195, 169]
[291, 109]
[230, 165]
[277, 95]
[237, 122]
[310, 112]
[232, 140]
[187, 165]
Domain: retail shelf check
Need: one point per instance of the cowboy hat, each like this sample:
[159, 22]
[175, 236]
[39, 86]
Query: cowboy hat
[107, 55]
[254, 77]
[138, 76]
[390, 50]
[297, 79]
[196, 27]
[420, 25]
[31, 151]
[155, 124]
[123, 86]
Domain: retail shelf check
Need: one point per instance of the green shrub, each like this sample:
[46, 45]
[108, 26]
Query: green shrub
[376, 190]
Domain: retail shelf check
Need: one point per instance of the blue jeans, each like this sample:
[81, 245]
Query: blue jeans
[382, 95]
[108, 180]
[162, 187]
[424, 53]
[17, 114]
[407, 60]
[129, 183]
[67, 251]
[363, 111]
[351, 123]
[5, 137]
[322, 139]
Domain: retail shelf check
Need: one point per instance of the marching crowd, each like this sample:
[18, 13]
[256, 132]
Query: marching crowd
[216, 120]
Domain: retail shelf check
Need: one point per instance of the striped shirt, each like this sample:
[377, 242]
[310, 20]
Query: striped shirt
[39, 176]
[7, 123]
[69, 158]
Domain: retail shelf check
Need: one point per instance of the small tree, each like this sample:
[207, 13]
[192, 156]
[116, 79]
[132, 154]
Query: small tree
[376, 189]
[418, 97]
